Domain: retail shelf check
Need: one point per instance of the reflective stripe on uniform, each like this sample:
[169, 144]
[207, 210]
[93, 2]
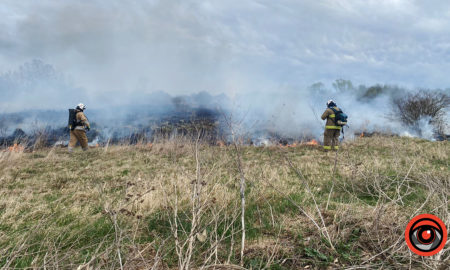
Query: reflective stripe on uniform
[336, 147]
[332, 115]
[333, 127]
[327, 147]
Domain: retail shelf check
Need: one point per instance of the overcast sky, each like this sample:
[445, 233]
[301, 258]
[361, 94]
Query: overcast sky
[229, 46]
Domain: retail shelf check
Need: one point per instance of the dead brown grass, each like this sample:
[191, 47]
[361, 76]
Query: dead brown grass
[114, 207]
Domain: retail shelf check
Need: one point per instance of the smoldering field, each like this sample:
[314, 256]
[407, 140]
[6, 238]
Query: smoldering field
[177, 204]
[201, 114]
[165, 182]
[36, 98]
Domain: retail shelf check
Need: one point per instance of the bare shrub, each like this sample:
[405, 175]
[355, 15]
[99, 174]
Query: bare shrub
[199, 226]
[40, 138]
[3, 127]
[413, 107]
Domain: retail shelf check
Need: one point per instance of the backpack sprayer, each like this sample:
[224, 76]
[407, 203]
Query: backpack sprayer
[72, 123]
[340, 119]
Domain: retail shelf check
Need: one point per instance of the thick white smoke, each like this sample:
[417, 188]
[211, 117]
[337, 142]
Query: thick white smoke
[262, 55]
[283, 112]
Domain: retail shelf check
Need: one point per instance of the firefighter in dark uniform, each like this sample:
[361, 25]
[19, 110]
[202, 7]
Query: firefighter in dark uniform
[332, 130]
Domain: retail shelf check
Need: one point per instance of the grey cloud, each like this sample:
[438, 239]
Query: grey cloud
[115, 48]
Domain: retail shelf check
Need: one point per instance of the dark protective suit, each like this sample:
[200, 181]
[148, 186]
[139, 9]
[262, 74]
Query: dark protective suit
[332, 131]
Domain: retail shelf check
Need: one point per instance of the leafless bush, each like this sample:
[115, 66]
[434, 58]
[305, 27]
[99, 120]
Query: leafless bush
[40, 138]
[198, 241]
[236, 139]
[3, 127]
[413, 107]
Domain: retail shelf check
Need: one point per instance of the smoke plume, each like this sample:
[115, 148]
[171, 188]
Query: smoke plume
[273, 64]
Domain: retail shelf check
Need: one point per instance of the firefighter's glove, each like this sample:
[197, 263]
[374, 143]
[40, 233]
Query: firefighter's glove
[88, 128]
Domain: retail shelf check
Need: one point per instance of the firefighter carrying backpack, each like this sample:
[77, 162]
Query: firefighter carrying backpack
[340, 118]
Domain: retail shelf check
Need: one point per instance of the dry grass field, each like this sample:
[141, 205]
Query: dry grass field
[177, 204]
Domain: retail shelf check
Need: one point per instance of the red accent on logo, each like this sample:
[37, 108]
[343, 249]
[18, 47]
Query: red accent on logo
[426, 235]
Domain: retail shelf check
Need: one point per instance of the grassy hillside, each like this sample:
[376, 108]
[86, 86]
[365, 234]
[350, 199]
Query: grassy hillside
[177, 205]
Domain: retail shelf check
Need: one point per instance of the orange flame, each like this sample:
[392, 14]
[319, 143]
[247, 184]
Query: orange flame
[220, 143]
[362, 135]
[294, 144]
[16, 148]
[312, 142]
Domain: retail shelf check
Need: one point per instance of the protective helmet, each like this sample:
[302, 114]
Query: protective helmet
[331, 103]
[81, 107]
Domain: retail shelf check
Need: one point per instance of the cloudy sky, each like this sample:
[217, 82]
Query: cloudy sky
[229, 46]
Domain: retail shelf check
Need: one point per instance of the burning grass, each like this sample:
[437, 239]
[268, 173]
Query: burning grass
[114, 206]
[17, 148]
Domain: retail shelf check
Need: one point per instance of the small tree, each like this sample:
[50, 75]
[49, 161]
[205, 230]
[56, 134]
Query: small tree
[342, 85]
[413, 107]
